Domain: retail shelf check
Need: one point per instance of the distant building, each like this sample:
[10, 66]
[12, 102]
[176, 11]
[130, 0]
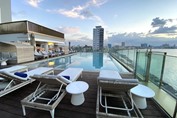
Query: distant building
[98, 38]
[5, 11]
[109, 45]
[165, 45]
[144, 45]
[123, 44]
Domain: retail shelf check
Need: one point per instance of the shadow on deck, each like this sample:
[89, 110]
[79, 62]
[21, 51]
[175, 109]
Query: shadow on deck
[10, 106]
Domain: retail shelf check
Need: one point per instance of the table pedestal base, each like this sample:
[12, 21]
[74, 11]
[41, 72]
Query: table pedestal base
[140, 101]
[77, 99]
[3, 63]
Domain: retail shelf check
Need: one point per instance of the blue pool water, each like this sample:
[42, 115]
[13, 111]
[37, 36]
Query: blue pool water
[88, 61]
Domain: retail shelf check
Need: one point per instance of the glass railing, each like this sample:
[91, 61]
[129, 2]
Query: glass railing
[141, 63]
[156, 67]
[127, 57]
[170, 75]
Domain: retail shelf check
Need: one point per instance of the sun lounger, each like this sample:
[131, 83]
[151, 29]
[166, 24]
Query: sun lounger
[114, 86]
[18, 68]
[51, 53]
[12, 69]
[50, 83]
[16, 82]
[73, 73]
[39, 55]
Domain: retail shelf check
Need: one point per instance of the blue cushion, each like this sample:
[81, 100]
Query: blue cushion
[20, 74]
[67, 77]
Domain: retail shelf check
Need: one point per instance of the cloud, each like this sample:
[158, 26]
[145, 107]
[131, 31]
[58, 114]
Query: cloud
[76, 12]
[172, 29]
[73, 35]
[163, 27]
[96, 2]
[136, 39]
[157, 22]
[162, 31]
[34, 3]
[69, 30]
[79, 39]
[82, 12]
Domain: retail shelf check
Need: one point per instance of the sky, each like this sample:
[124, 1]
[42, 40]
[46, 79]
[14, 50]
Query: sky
[131, 21]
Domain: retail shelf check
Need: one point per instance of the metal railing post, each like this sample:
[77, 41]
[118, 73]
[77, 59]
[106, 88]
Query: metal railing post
[136, 64]
[162, 70]
[148, 66]
[174, 114]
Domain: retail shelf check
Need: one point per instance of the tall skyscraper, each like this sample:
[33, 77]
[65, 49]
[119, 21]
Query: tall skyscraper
[98, 38]
[123, 44]
[5, 11]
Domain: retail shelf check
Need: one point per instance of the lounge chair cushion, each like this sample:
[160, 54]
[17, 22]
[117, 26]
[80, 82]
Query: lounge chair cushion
[67, 77]
[8, 74]
[21, 74]
[110, 74]
[117, 85]
[64, 79]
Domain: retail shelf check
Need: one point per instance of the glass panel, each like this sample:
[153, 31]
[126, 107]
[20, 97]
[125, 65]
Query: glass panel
[156, 68]
[170, 75]
[131, 58]
[128, 57]
[141, 65]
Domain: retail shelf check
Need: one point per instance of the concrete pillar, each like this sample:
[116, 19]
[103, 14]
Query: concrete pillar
[46, 47]
[69, 46]
[32, 40]
[5, 11]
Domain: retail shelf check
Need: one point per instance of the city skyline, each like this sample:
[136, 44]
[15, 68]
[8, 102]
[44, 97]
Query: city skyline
[133, 22]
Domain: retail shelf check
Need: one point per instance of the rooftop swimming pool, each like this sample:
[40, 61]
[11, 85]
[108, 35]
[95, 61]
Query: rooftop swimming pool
[88, 61]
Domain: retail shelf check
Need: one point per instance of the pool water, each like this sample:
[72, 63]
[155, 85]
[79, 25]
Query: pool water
[88, 61]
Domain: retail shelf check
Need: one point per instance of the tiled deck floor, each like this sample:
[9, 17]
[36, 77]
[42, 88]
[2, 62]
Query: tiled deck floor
[10, 106]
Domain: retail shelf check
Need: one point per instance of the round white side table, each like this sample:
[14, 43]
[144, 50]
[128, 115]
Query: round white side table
[139, 95]
[77, 89]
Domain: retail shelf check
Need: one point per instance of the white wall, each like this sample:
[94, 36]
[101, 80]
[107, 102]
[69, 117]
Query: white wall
[5, 11]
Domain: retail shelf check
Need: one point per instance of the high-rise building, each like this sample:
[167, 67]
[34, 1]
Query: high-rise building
[123, 44]
[98, 38]
[5, 11]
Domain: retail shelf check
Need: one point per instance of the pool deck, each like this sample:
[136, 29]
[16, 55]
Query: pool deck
[10, 106]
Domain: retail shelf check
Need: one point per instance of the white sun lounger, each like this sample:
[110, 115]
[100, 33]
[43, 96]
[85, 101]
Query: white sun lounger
[73, 73]
[112, 85]
[18, 68]
[17, 82]
[50, 83]
[12, 69]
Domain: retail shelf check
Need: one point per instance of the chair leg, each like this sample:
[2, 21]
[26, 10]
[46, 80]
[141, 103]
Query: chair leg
[52, 113]
[23, 108]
